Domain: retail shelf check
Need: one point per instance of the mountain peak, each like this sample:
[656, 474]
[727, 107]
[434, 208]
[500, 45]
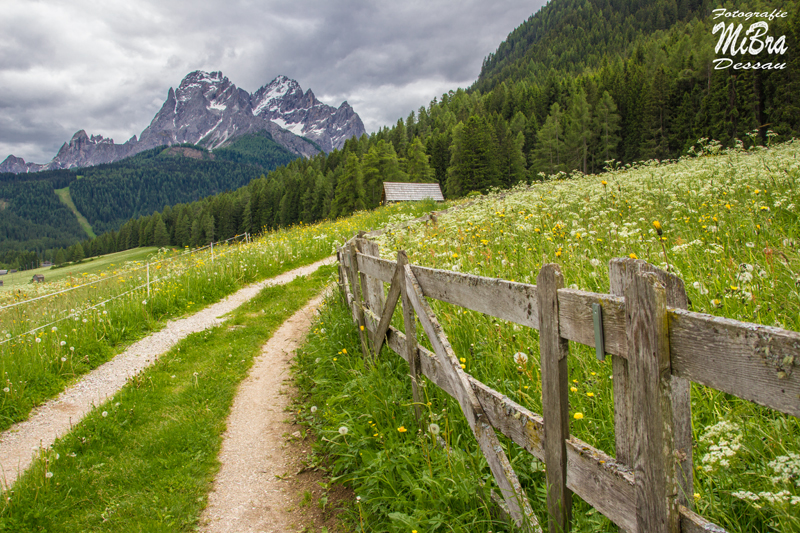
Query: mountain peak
[80, 135]
[201, 76]
[209, 110]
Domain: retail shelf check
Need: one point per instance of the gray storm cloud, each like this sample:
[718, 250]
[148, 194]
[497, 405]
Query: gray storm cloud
[106, 67]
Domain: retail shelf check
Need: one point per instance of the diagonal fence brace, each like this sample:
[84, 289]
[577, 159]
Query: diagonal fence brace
[388, 310]
[516, 499]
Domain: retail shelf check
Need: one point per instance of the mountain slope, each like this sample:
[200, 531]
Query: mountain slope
[573, 35]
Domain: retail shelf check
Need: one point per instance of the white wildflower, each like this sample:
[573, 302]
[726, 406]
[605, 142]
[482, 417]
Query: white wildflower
[786, 468]
[726, 439]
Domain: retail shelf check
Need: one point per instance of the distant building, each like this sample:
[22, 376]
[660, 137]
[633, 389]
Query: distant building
[409, 192]
[46, 264]
[3, 272]
[38, 278]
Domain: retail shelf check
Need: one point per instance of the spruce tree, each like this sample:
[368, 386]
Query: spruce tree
[418, 163]
[606, 124]
[579, 132]
[550, 142]
[350, 190]
[160, 235]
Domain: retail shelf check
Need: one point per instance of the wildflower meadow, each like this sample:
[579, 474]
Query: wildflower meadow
[725, 221]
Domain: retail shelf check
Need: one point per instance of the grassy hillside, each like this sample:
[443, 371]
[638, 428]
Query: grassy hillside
[731, 230]
[88, 268]
[66, 199]
[255, 149]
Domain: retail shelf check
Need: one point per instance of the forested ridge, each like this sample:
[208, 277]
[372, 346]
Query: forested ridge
[580, 85]
[34, 224]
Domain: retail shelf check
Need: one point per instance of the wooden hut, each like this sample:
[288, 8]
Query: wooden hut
[409, 192]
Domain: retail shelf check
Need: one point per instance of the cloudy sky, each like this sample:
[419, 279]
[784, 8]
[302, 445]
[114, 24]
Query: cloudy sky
[106, 65]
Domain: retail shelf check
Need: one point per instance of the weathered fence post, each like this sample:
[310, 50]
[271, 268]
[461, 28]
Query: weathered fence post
[623, 433]
[681, 397]
[358, 301]
[621, 272]
[647, 326]
[373, 288]
[410, 326]
[553, 356]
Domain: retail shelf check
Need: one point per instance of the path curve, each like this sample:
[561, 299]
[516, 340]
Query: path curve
[20, 444]
[248, 495]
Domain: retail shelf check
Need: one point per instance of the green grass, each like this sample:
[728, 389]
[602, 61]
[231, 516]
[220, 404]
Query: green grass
[80, 333]
[731, 231]
[144, 460]
[66, 199]
[88, 267]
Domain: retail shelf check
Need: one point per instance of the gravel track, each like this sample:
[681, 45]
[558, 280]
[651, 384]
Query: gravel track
[250, 492]
[21, 443]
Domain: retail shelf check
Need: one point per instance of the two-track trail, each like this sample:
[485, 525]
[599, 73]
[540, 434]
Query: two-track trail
[20, 443]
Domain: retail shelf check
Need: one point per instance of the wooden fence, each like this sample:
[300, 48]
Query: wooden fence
[657, 347]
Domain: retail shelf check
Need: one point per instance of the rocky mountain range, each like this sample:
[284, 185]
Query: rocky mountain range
[208, 110]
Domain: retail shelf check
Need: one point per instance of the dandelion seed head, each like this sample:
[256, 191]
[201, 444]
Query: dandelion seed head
[343, 430]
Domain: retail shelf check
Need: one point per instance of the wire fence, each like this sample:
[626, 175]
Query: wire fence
[148, 263]
[146, 285]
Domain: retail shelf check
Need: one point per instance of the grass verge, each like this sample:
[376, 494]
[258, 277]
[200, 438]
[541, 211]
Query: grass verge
[145, 459]
[364, 418]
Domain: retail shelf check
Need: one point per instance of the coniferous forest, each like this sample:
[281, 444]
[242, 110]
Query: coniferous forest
[580, 85]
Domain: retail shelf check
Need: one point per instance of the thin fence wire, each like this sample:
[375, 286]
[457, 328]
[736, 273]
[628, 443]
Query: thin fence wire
[3, 308]
[118, 296]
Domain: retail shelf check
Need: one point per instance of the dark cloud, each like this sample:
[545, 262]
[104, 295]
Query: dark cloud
[106, 67]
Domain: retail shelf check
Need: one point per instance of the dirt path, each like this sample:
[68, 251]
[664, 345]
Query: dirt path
[257, 488]
[20, 443]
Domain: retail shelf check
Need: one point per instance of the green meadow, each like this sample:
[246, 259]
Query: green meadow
[730, 229]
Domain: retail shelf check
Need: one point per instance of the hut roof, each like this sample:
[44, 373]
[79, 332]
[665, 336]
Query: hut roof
[401, 192]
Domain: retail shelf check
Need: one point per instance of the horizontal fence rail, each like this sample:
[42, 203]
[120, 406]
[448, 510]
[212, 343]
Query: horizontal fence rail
[748, 360]
[648, 332]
